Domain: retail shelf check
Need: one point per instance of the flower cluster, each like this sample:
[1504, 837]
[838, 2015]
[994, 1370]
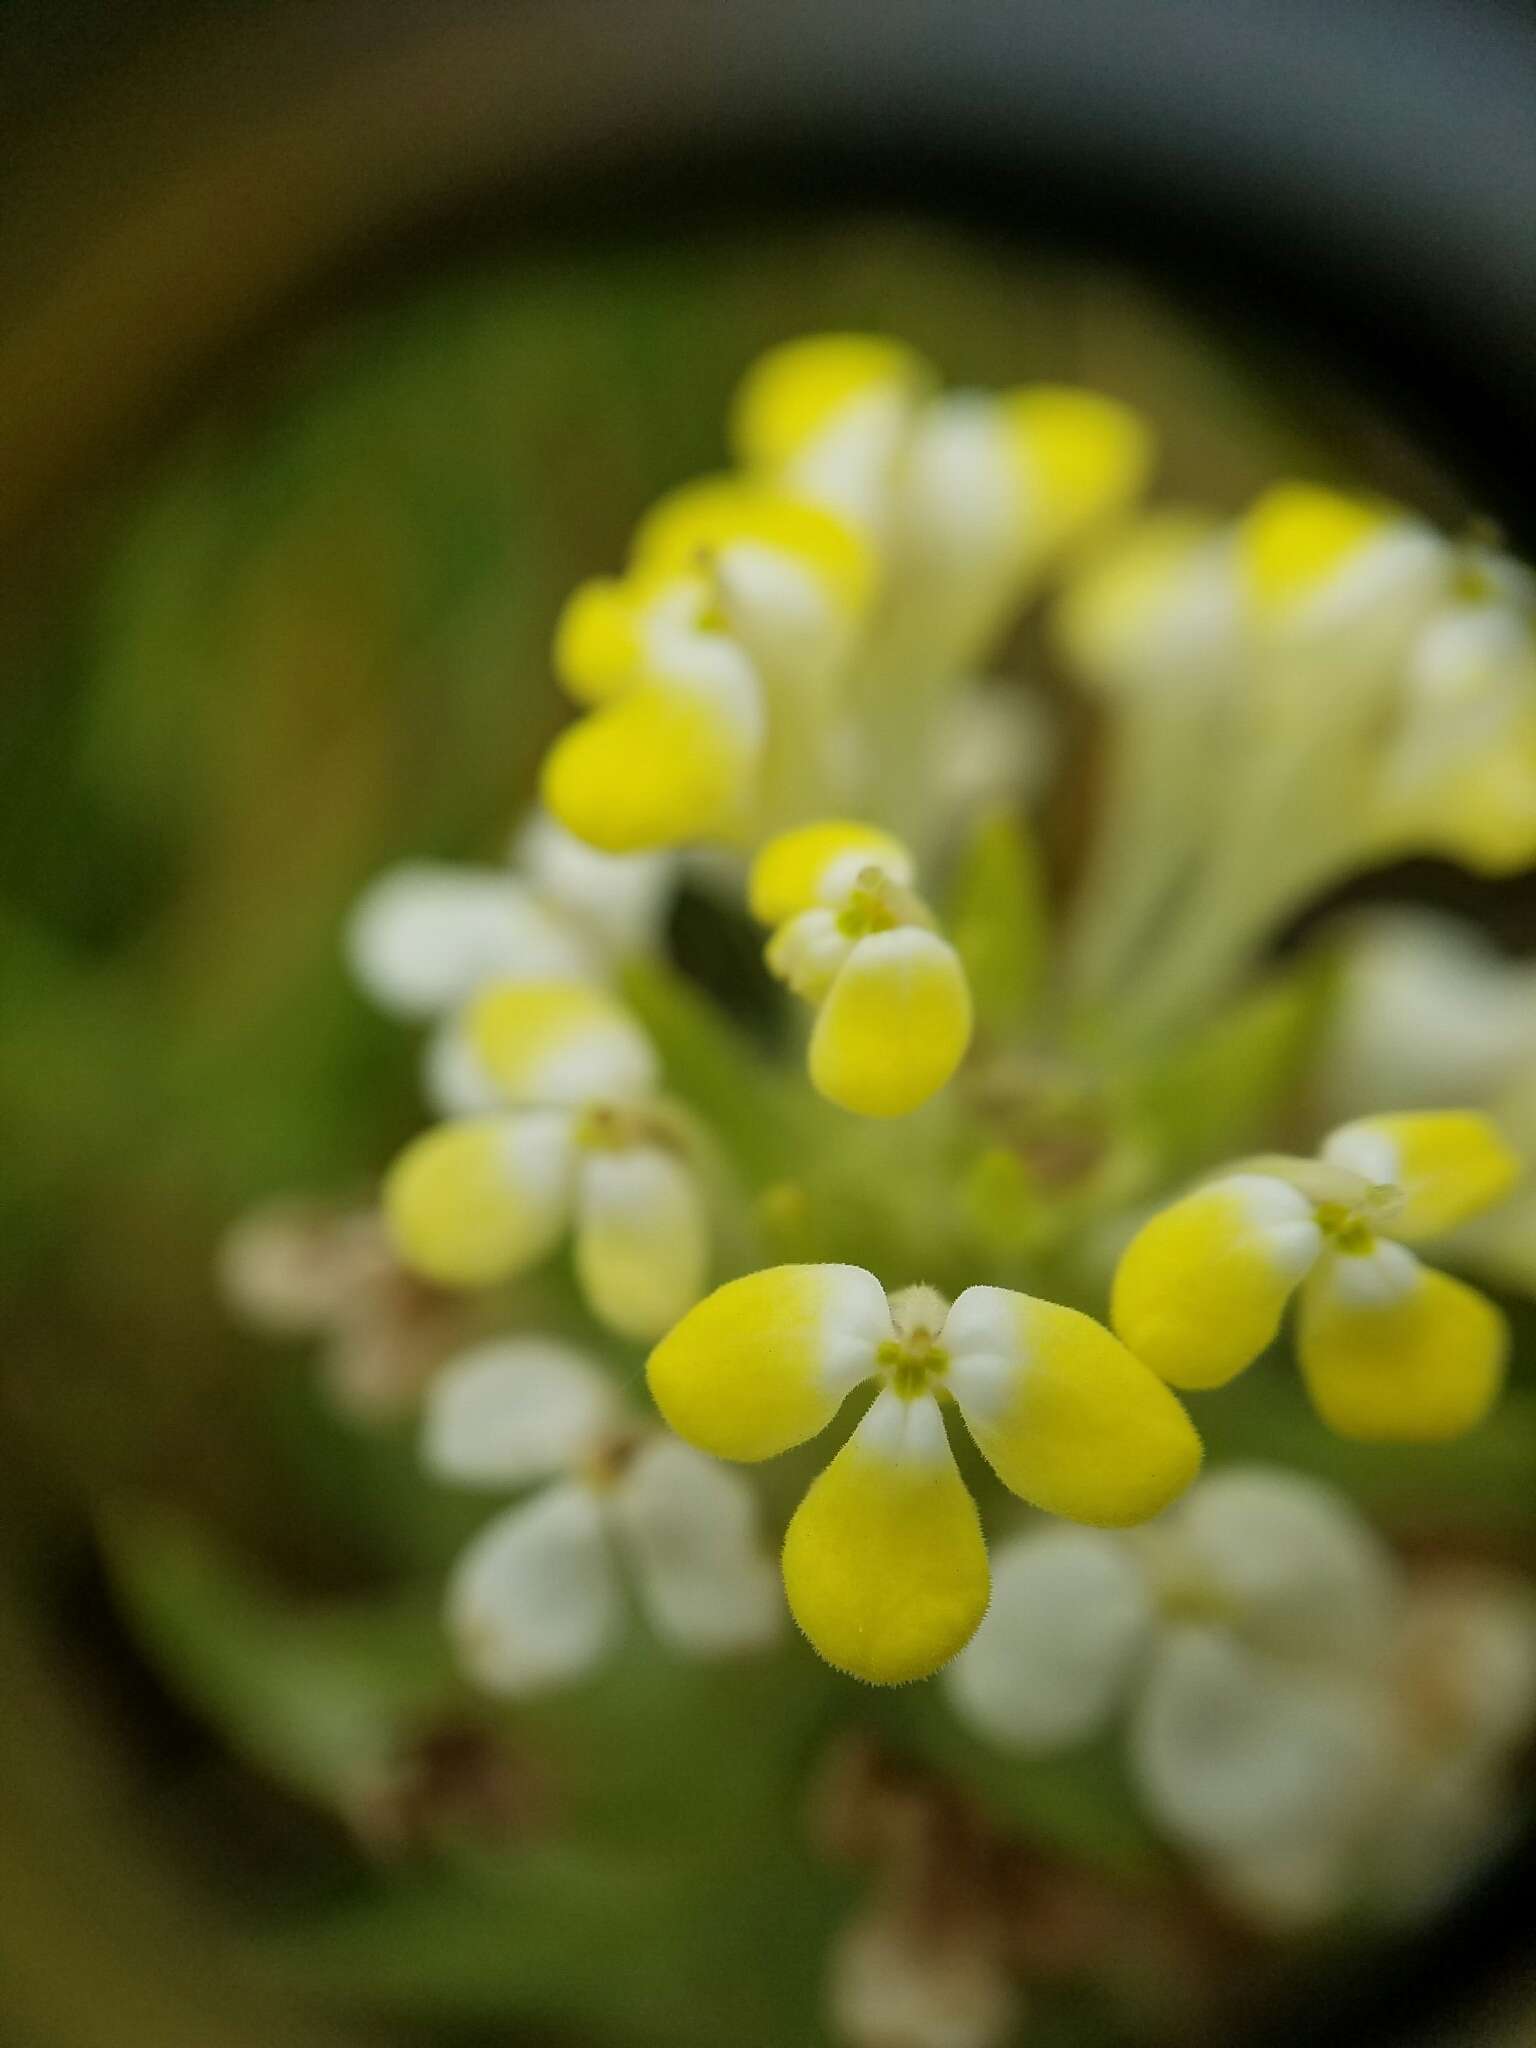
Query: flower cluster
[783, 688]
[1302, 1717]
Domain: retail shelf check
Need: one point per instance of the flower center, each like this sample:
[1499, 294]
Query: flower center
[877, 902]
[618, 1126]
[1352, 1223]
[913, 1362]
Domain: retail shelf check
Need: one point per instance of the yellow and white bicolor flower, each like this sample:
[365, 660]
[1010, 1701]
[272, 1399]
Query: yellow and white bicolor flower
[893, 1008]
[782, 631]
[705, 665]
[1155, 609]
[1458, 767]
[977, 480]
[426, 936]
[884, 1561]
[829, 417]
[1429, 1010]
[579, 1143]
[537, 1600]
[670, 750]
[1390, 1349]
[1321, 567]
[1240, 1640]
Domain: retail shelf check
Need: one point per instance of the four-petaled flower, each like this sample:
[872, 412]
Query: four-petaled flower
[893, 1008]
[536, 1599]
[884, 1561]
[1389, 1348]
[582, 1142]
[1242, 1636]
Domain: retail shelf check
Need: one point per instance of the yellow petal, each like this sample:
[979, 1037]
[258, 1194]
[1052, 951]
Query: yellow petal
[719, 513]
[1063, 1413]
[790, 871]
[1298, 537]
[1484, 813]
[557, 1041]
[1114, 614]
[1393, 1352]
[657, 767]
[642, 1239]
[884, 1562]
[765, 1361]
[894, 1026]
[1201, 1288]
[1082, 457]
[597, 640]
[796, 391]
[1449, 1164]
[473, 1202]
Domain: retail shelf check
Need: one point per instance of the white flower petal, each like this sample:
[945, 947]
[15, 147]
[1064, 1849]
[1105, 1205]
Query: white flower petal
[1305, 1574]
[642, 1238]
[453, 1081]
[515, 1409]
[1429, 1012]
[533, 1602]
[1070, 1615]
[618, 899]
[425, 935]
[691, 1531]
[1239, 1754]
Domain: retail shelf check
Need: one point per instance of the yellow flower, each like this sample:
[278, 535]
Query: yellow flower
[1458, 771]
[670, 748]
[1390, 1349]
[740, 600]
[884, 1562]
[580, 1144]
[893, 1007]
[1315, 561]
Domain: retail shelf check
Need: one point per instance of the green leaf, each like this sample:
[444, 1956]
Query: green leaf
[679, 1902]
[321, 1696]
[999, 920]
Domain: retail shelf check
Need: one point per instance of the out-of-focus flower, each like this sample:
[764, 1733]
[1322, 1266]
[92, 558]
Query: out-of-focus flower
[1460, 1699]
[1458, 769]
[884, 1562]
[1390, 1349]
[536, 1600]
[305, 1269]
[427, 936]
[789, 639]
[1243, 1636]
[1429, 1011]
[893, 1013]
[582, 1143]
